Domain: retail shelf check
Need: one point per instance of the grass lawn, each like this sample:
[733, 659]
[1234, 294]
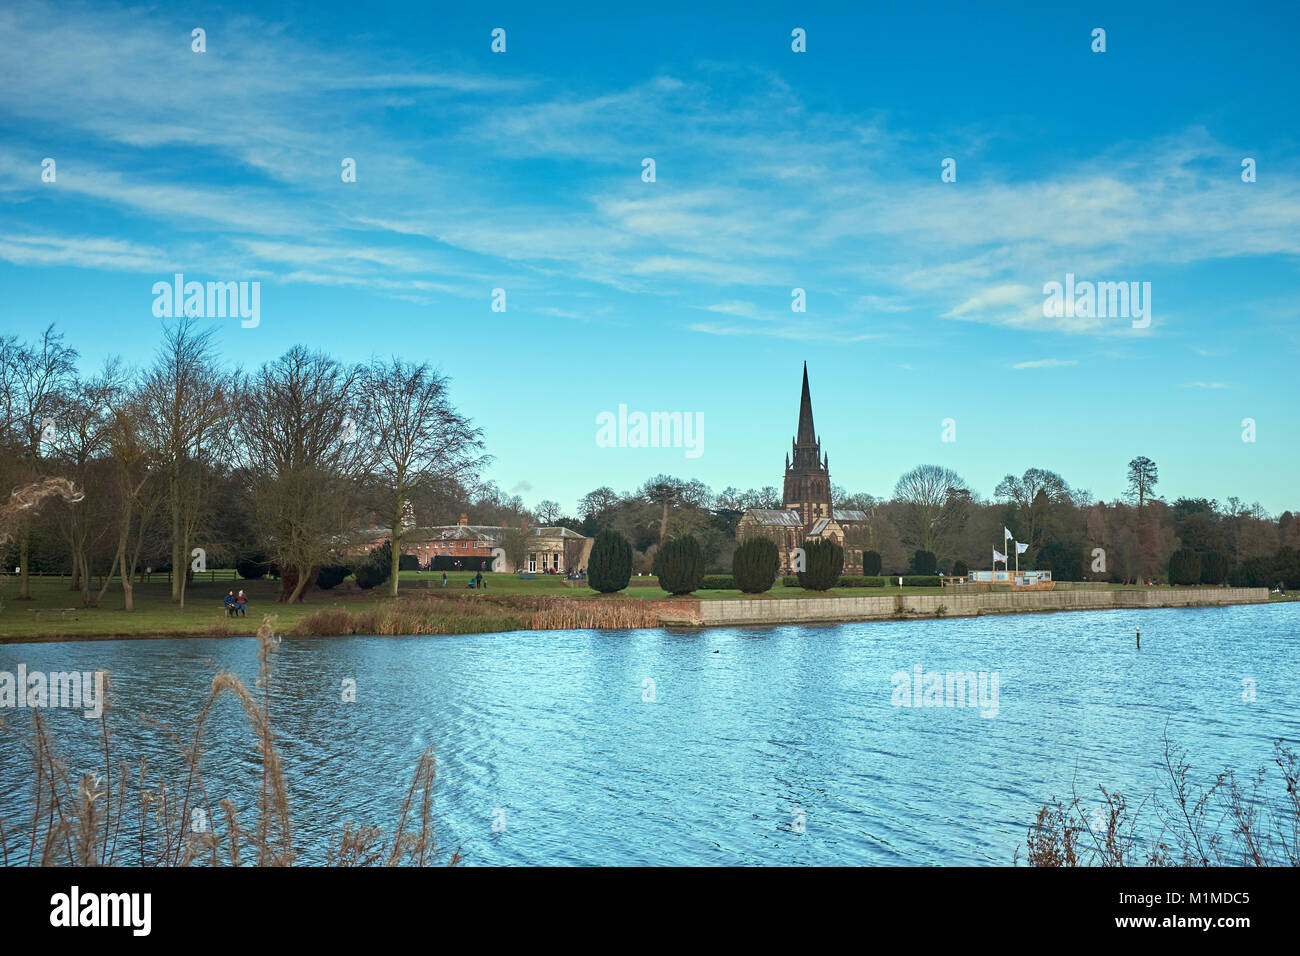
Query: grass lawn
[55, 612]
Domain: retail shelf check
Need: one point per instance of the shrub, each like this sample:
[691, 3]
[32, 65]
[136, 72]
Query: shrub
[959, 568]
[252, 568]
[679, 565]
[922, 581]
[375, 570]
[870, 563]
[1214, 567]
[331, 576]
[1184, 567]
[447, 562]
[367, 577]
[754, 565]
[408, 562]
[610, 566]
[860, 581]
[825, 561]
[924, 562]
[718, 582]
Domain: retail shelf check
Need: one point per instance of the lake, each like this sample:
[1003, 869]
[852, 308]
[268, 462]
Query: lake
[706, 747]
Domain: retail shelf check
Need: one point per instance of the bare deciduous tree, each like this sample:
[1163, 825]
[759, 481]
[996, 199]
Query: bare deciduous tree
[548, 511]
[140, 492]
[1034, 493]
[303, 466]
[419, 438]
[81, 445]
[925, 490]
[185, 399]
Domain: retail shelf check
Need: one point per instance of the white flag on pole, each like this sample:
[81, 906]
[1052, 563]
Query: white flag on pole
[1006, 533]
[1021, 548]
[999, 556]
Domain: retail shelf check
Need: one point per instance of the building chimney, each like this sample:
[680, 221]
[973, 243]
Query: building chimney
[464, 519]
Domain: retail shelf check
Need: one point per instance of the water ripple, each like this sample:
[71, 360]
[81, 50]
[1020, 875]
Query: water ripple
[548, 732]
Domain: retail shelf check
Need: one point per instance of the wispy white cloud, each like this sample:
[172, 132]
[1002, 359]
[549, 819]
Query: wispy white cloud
[756, 192]
[1045, 363]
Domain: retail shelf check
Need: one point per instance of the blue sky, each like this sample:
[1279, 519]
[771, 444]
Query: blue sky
[774, 170]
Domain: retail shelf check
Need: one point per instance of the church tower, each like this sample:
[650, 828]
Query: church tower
[808, 475]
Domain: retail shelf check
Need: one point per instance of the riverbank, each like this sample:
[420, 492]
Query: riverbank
[544, 603]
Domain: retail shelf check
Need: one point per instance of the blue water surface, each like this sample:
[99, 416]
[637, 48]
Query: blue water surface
[550, 752]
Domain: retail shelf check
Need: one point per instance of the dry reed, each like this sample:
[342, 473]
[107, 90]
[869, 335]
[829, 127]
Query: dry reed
[81, 824]
[1227, 823]
[476, 614]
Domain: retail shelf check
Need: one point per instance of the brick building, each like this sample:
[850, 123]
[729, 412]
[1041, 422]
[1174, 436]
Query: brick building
[473, 544]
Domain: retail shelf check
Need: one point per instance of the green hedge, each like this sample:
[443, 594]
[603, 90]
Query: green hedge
[922, 581]
[718, 582]
[859, 581]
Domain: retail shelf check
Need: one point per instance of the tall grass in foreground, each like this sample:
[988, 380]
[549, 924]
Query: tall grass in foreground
[460, 613]
[81, 823]
[1228, 823]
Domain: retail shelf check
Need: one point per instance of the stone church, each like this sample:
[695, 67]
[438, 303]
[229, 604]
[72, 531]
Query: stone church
[806, 512]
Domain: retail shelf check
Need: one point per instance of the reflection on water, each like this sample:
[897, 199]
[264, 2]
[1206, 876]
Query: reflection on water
[549, 735]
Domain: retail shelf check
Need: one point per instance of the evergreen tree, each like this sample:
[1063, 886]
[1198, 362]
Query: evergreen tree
[331, 576]
[375, 570]
[609, 568]
[1065, 563]
[1214, 567]
[825, 561]
[1184, 567]
[679, 565]
[754, 565]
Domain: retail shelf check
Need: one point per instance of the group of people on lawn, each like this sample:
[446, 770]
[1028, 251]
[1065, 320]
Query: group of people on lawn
[236, 605]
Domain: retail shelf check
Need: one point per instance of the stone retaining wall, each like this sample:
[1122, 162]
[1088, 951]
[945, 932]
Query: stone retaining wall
[806, 610]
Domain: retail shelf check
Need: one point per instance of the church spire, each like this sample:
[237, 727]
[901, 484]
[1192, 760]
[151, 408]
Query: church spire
[807, 470]
[806, 435]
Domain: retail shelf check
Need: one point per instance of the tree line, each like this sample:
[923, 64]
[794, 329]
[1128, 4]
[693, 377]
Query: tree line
[933, 512]
[186, 461]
